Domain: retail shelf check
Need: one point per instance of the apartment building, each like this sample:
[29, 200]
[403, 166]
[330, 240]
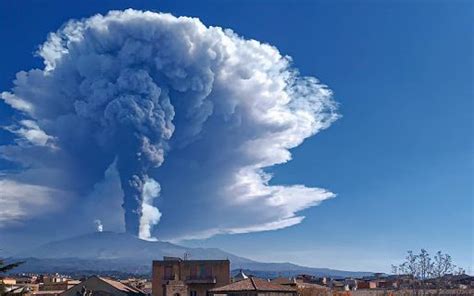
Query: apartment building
[176, 277]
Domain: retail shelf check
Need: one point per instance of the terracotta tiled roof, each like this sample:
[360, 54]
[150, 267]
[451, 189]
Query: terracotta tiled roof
[284, 281]
[253, 284]
[311, 285]
[119, 286]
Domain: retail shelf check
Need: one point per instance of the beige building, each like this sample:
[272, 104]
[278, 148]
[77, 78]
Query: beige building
[175, 277]
[8, 281]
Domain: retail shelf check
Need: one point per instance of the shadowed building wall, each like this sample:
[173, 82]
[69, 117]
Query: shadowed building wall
[176, 277]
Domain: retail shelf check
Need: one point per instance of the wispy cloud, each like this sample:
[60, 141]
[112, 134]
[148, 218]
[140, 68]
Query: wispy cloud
[20, 201]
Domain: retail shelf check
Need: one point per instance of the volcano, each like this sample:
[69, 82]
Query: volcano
[109, 252]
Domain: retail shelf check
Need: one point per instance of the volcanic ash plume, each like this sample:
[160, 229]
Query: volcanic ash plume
[188, 112]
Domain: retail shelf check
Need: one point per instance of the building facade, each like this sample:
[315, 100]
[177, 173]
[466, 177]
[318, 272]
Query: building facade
[175, 277]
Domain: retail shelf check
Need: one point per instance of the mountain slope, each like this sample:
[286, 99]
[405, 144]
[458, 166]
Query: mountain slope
[122, 247]
[108, 251]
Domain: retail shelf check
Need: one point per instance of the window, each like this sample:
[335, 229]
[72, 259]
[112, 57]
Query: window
[168, 272]
[205, 271]
[194, 272]
[208, 272]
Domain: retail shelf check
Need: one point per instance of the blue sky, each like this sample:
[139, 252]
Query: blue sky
[400, 159]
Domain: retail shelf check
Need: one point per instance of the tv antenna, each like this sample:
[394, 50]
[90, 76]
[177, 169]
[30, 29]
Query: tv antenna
[187, 255]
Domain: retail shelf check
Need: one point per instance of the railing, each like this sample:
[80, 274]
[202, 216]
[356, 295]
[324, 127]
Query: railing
[201, 280]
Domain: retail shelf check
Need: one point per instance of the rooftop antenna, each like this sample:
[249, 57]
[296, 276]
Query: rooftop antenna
[187, 255]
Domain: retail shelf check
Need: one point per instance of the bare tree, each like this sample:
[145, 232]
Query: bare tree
[442, 266]
[422, 269]
[395, 269]
[410, 268]
[425, 267]
[459, 271]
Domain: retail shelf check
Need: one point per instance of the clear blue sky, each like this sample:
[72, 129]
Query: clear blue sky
[400, 159]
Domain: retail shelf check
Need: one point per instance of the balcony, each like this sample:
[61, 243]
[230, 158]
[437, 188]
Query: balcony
[201, 280]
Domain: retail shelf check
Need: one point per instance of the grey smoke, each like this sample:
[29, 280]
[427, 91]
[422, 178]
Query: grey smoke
[190, 117]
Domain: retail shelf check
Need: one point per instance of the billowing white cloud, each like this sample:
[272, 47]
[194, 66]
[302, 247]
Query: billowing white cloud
[191, 113]
[150, 214]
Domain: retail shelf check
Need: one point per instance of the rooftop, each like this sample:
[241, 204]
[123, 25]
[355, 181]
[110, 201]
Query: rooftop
[253, 284]
[284, 281]
[119, 286]
[173, 259]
